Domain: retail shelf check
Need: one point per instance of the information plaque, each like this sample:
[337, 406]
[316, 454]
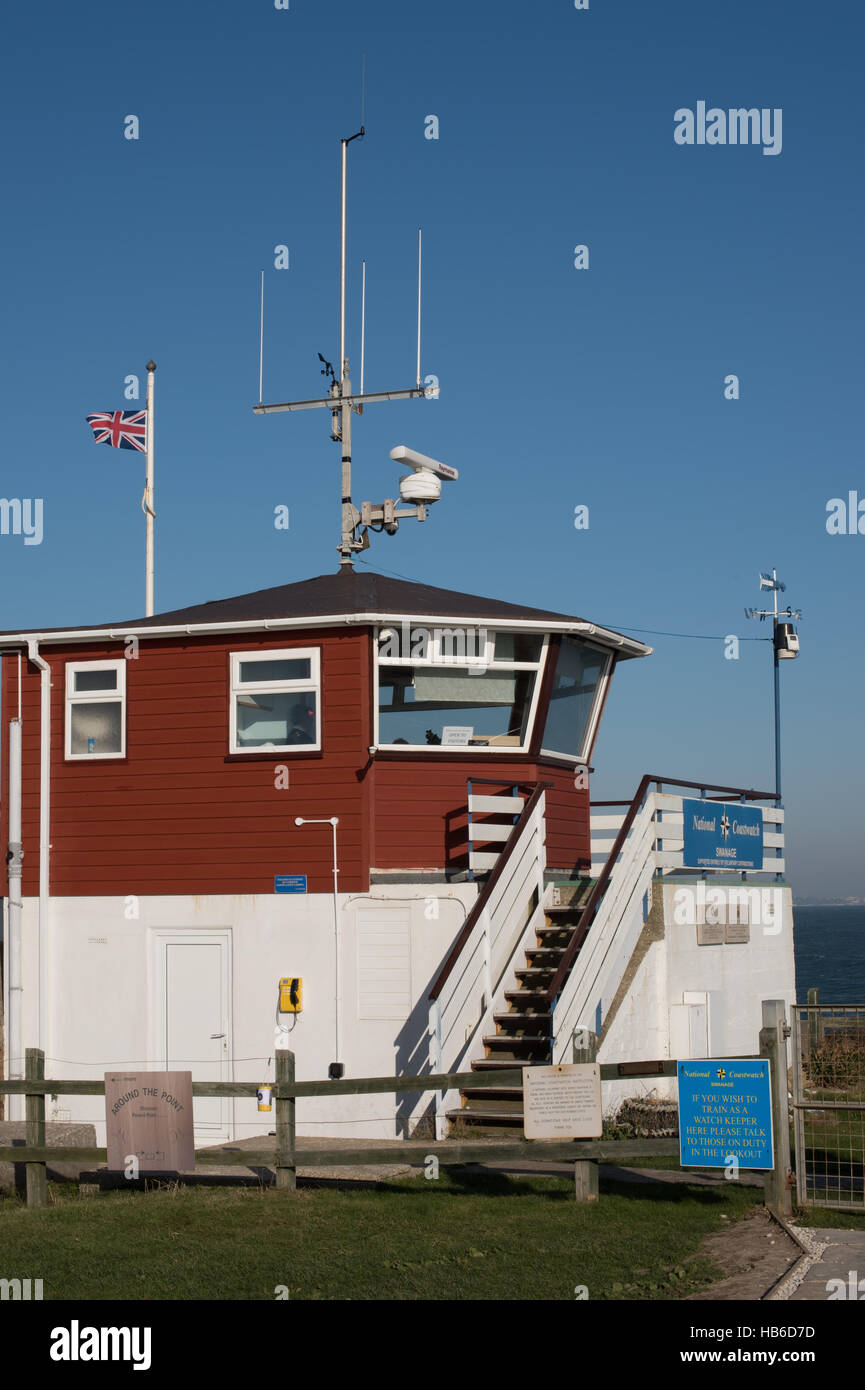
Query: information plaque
[149, 1119]
[562, 1102]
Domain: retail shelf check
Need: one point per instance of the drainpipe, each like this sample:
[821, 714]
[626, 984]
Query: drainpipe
[14, 1033]
[44, 818]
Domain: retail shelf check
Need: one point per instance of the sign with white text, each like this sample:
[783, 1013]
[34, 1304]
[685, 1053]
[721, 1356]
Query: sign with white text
[725, 1114]
[720, 835]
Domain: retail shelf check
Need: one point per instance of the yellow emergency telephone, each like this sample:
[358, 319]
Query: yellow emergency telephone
[290, 995]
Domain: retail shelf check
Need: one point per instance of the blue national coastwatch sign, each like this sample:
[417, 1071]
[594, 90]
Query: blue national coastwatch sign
[720, 835]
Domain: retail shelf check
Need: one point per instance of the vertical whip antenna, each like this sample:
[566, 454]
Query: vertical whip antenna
[261, 343]
[362, 320]
[419, 252]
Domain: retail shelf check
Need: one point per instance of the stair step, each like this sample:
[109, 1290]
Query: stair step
[493, 1093]
[510, 1105]
[511, 1118]
[498, 1064]
[536, 1023]
[519, 1047]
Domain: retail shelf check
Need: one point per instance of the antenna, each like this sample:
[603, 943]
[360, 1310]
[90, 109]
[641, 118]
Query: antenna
[362, 323]
[342, 402]
[419, 253]
[261, 342]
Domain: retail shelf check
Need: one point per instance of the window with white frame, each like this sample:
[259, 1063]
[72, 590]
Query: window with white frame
[276, 700]
[456, 687]
[96, 709]
[575, 699]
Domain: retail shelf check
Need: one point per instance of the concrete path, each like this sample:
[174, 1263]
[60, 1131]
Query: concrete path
[834, 1255]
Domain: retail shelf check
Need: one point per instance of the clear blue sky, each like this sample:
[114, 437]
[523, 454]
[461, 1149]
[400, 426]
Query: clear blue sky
[558, 386]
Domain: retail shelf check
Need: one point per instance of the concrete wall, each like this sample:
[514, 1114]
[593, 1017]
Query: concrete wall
[688, 999]
[103, 1010]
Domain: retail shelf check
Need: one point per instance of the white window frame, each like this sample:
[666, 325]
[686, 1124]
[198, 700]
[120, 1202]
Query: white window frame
[312, 682]
[95, 697]
[581, 759]
[435, 661]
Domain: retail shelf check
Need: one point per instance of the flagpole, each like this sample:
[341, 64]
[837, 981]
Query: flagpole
[148, 497]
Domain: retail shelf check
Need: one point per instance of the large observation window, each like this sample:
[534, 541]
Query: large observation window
[457, 688]
[575, 699]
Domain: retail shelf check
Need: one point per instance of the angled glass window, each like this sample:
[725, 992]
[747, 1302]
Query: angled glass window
[581, 674]
[457, 687]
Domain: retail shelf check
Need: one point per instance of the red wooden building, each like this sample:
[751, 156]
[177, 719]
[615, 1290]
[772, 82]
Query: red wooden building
[165, 763]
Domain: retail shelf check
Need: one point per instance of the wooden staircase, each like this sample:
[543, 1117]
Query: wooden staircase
[523, 1034]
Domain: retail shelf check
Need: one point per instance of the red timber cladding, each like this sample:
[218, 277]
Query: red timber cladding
[178, 814]
[421, 810]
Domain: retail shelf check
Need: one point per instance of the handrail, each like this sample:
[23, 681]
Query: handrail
[484, 895]
[748, 792]
[594, 898]
[506, 781]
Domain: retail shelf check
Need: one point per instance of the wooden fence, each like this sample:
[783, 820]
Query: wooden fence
[584, 1154]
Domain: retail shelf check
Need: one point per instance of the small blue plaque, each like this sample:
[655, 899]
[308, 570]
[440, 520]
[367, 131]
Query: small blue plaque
[289, 883]
[725, 1111]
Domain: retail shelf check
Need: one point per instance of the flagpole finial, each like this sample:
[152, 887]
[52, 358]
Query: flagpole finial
[151, 366]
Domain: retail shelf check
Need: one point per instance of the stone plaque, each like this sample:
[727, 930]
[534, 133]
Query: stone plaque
[737, 933]
[149, 1117]
[710, 933]
[562, 1102]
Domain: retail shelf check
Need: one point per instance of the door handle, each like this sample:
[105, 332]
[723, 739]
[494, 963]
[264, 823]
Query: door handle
[217, 1035]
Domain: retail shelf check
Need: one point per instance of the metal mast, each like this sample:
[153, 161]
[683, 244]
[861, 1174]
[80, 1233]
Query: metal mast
[342, 403]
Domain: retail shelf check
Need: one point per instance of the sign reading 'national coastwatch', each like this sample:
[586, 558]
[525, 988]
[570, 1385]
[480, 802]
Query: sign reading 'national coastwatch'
[721, 835]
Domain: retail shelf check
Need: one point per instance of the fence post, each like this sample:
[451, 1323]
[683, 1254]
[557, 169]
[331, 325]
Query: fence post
[34, 1112]
[815, 1022]
[286, 1170]
[585, 1170]
[773, 1046]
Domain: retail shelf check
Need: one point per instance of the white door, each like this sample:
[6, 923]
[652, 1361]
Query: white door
[192, 1018]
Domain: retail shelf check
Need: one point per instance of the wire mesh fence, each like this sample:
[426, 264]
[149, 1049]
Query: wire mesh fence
[829, 1104]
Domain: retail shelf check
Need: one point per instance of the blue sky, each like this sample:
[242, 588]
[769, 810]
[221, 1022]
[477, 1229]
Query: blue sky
[559, 387]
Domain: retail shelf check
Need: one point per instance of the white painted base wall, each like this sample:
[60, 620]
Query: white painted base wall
[102, 1004]
[682, 988]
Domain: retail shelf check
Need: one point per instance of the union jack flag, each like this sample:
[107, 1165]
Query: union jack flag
[122, 429]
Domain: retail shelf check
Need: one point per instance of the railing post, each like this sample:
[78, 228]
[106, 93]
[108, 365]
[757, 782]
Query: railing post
[286, 1157]
[815, 1029]
[585, 1170]
[773, 1046]
[37, 1173]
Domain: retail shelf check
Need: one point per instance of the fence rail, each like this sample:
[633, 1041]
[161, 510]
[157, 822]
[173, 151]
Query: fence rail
[35, 1155]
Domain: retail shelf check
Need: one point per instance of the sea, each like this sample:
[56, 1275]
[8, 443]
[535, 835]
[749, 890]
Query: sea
[830, 953]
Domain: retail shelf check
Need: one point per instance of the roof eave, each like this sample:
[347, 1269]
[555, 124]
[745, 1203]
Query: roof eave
[625, 647]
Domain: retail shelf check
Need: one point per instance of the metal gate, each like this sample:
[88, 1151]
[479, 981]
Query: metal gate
[829, 1104]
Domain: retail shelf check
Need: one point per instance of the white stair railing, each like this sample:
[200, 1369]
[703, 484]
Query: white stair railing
[472, 984]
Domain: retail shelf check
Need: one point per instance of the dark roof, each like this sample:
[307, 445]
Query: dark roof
[345, 592]
[350, 591]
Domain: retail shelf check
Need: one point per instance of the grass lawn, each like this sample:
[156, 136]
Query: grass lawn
[464, 1236]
